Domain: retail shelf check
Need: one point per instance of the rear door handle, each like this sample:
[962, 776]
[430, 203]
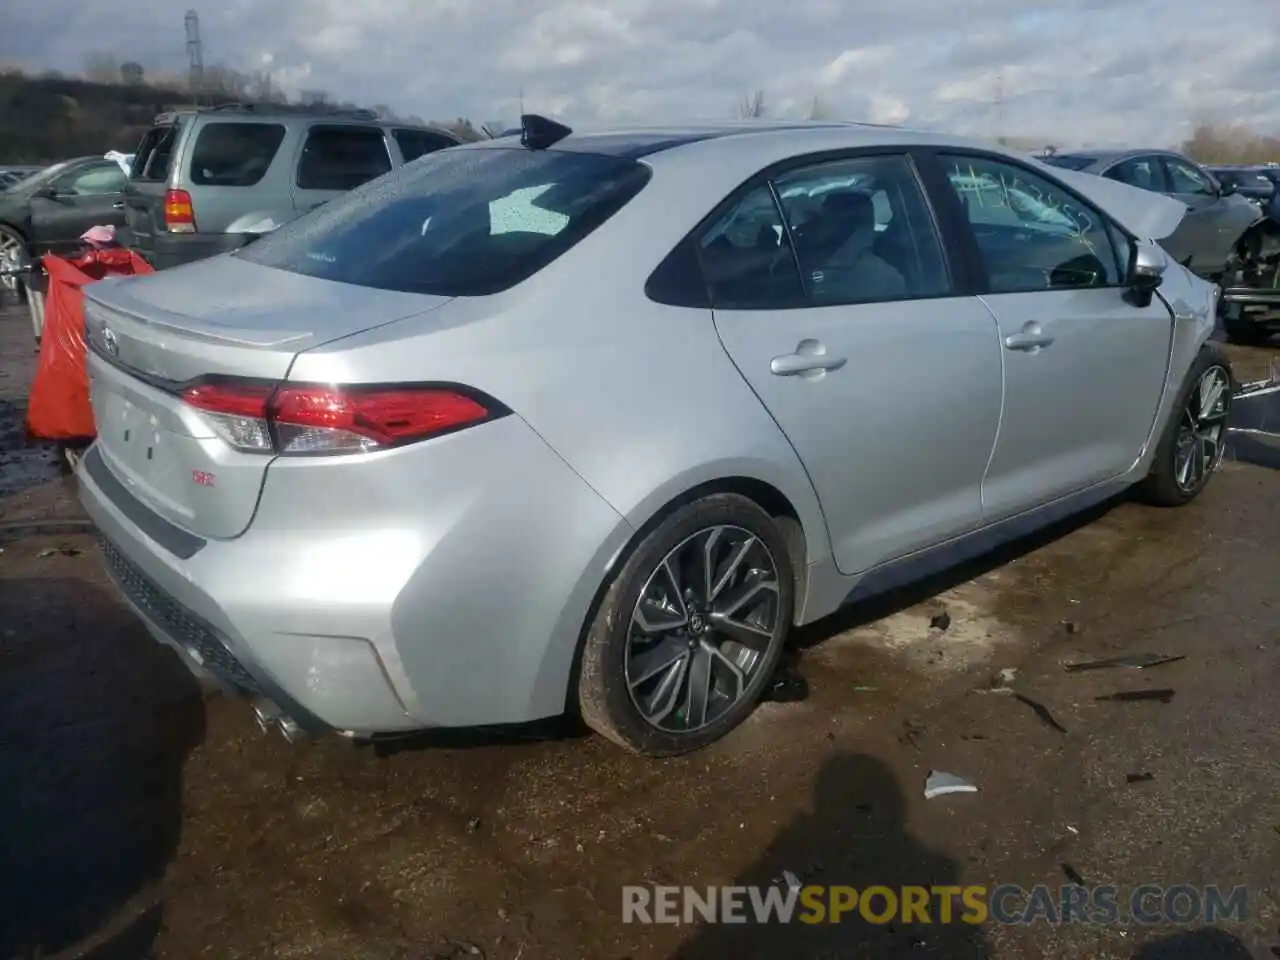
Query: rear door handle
[811, 357]
[1031, 339]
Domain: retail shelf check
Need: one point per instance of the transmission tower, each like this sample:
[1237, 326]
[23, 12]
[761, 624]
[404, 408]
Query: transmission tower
[195, 54]
[999, 105]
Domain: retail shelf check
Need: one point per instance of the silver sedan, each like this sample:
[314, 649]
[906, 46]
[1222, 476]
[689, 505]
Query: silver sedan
[589, 422]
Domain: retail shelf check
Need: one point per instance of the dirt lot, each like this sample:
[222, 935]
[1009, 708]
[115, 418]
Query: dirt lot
[138, 819]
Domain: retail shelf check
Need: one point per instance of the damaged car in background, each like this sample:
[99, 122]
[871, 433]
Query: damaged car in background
[584, 422]
[1226, 236]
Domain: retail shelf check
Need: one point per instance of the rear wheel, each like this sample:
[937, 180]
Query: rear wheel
[1194, 439]
[689, 632]
[13, 254]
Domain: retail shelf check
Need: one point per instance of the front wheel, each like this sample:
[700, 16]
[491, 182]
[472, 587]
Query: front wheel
[690, 630]
[1194, 439]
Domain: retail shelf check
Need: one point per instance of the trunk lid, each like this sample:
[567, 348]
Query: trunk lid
[149, 335]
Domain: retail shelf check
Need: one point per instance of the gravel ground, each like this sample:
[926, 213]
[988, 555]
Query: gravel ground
[138, 818]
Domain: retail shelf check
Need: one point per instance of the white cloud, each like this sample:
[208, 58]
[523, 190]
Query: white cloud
[1071, 71]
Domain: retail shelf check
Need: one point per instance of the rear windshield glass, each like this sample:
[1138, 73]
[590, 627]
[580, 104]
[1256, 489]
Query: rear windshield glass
[1070, 161]
[151, 161]
[465, 222]
[234, 154]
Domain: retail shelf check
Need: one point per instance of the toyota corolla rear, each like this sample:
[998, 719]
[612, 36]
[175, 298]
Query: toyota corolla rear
[307, 479]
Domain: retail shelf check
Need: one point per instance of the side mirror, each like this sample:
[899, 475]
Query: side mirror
[1146, 272]
[1228, 188]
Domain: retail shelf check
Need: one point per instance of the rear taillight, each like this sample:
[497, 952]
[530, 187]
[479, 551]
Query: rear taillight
[300, 419]
[179, 215]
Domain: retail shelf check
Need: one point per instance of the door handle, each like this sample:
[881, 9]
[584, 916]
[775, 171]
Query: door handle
[118, 205]
[811, 357]
[1031, 339]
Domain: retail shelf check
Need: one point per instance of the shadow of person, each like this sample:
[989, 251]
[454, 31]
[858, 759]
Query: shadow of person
[96, 721]
[1208, 943]
[854, 836]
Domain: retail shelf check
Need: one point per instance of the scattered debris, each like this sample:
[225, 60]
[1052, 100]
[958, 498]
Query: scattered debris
[866, 689]
[473, 825]
[1072, 874]
[1071, 627]
[940, 621]
[1002, 682]
[939, 783]
[1131, 661]
[1041, 711]
[1073, 830]
[793, 882]
[1164, 695]
[911, 729]
[1139, 778]
[56, 551]
[787, 686]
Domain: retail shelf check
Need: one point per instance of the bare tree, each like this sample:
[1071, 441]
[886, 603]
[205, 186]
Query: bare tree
[263, 90]
[752, 106]
[464, 129]
[131, 72]
[314, 98]
[220, 81]
[102, 68]
[818, 109]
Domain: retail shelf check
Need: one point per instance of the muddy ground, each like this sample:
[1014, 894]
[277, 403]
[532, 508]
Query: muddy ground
[139, 819]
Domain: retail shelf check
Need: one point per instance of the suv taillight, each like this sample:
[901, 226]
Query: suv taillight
[179, 215]
[300, 419]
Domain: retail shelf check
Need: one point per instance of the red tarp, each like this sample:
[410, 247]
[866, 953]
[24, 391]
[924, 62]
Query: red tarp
[58, 408]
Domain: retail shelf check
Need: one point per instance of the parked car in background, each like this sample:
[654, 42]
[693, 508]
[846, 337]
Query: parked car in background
[49, 211]
[1226, 236]
[404, 463]
[11, 175]
[202, 178]
[1259, 184]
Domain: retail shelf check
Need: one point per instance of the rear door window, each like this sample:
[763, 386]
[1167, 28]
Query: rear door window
[342, 157]
[95, 180]
[154, 153]
[1144, 173]
[465, 222]
[234, 154]
[417, 143]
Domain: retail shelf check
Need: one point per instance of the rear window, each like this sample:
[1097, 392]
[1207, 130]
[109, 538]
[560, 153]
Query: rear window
[1069, 161]
[417, 143]
[234, 154]
[151, 160]
[466, 222]
[342, 158]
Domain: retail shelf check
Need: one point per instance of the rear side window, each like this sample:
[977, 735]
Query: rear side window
[417, 143]
[342, 158]
[466, 222]
[151, 160]
[234, 154]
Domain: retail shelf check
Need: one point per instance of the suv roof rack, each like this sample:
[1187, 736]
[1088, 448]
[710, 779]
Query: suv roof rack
[276, 109]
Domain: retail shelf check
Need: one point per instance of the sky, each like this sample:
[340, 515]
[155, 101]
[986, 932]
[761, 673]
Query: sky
[1070, 72]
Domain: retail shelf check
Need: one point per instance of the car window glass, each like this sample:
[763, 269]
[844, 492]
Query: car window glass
[234, 154]
[456, 223]
[151, 160]
[1186, 179]
[863, 231]
[416, 143]
[97, 180]
[1141, 172]
[342, 158]
[1032, 233]
[746, 257]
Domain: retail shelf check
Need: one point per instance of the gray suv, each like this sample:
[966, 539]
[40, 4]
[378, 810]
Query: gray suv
[204, 181]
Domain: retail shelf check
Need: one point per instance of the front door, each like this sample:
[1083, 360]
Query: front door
[839, 311]
[1084, 368]
[88, 196]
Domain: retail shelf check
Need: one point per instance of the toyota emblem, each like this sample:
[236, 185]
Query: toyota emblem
[109, 342]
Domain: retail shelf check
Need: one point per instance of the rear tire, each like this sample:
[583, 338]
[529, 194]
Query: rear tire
[1194, 438]
[689, 632]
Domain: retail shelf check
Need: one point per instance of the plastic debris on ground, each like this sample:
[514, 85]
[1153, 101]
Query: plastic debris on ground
[1041, 711]
[939, 784]
[793, 882]
[787, 686]
[1072, 874]
[1139, 778]
[1130, 661]
[940, 621]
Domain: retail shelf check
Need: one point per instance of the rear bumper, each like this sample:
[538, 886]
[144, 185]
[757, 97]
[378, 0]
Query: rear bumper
[410, 589]
[165, 250]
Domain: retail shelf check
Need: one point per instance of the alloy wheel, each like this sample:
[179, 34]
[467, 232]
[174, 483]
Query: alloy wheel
[1201, 430]
[702, 625]
[13, 256]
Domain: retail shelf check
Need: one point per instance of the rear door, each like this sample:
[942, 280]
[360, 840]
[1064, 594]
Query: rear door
[842, 315]
[336, 158]
[91, 195]
[232, 173]
[1084, 368]
[148, 181]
